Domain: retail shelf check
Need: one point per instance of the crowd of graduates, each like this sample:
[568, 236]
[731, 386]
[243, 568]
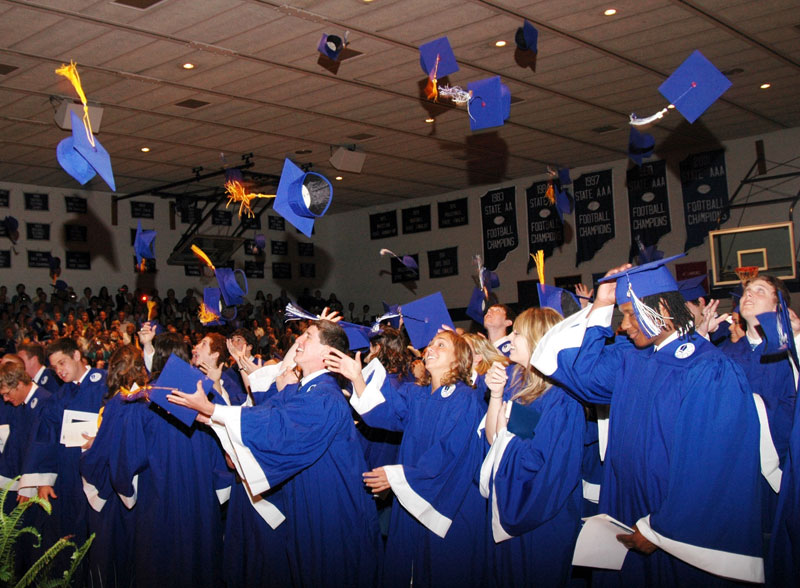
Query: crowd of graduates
[345, 457]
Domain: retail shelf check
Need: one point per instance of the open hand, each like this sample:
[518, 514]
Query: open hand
[376, 480]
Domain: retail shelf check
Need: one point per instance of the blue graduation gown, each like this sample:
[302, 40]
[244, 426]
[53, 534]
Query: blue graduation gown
[438, 537]
[48, 462]
[682, 461]
[234, 386]
[255, 554]
[176, 476]
[304, 438]
[536, 492]
[49, 381]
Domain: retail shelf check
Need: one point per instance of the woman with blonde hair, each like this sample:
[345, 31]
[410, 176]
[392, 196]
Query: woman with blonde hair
[437, 532]
[532, 474]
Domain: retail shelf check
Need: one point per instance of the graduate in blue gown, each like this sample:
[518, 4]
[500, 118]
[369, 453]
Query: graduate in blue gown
[532, 475]
[438, 528]
[304, 438]
[32, 354]
[19, 415]
[682, 462]
[770, 375]
[52, 467]
[171, 477]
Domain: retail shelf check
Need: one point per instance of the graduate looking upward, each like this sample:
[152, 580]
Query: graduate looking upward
[497, 320]
[437, 534]
[304, 438]
[683, 437]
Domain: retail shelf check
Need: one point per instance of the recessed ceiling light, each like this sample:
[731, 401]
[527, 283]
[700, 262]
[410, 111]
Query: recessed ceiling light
[765, 85]
[145, 149]
[610, 11]
[671, 106]
[188, 65]
[339, 178]
[430, 120]
[500, 44]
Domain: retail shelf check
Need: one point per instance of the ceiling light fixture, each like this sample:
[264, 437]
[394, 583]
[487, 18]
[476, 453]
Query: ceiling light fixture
[765, 85]
[188, 65]
[145, 149]
[430, 120]
[500, 44]
[339, 178]
[610, 11]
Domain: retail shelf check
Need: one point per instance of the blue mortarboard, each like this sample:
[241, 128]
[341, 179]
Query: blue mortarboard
[490, 279]
[440, 48]
[357, 335]
[424, 317]
[302, 197]
[11, 225]
[260, 242]
[211, 301]
[60, 285]
[777, 327]
[564, 177]
[490, 104]
[143, 244]
[477, 305]
[554, 297]
[693, 288]
[640, 281]
[80, 160]
[694, 86]
[640, 146]
[178, 375]
[564, 203]
[392, 309]
[232, 293]
[330, 46]
[527, 37]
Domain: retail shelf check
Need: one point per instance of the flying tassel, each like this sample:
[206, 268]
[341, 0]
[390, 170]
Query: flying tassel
[638, 122]
[538, 259]
[203, 257]
[649, 319]
[432, 87]
[206, 315]
[71, 73]
[456, 94]
[238, 193]
[151, 306]
[295, 313]
[550, 194]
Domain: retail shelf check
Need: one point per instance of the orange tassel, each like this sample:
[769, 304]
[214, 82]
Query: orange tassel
[206, 315]
[71, 73]
[432, 87]
[203, 257]
[238, 193]
[550, 194]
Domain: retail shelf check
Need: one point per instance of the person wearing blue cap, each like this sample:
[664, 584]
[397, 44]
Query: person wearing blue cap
[682, 463]
[51, 466]
[437, 532]
[304, 438]
[771, 377]
[532, 475]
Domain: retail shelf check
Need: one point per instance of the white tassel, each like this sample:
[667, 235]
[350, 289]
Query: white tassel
[638, 122]
[650, 320]
[295, 313]
[376, 326]
[457, 94]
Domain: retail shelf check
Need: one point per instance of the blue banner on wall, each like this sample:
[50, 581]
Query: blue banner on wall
[648, 204]
[704, 183]
[499, 225]
[594, 212]
[545, 229]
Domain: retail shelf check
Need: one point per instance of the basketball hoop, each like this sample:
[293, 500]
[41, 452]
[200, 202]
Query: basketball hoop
[746, 272]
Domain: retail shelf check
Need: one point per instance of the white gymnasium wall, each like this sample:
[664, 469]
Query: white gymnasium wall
[347, 261]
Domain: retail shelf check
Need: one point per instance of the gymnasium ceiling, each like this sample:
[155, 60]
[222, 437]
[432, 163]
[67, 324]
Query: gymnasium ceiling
[265, 89]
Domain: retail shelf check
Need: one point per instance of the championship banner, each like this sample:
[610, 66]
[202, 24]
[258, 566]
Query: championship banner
[648, 205]
[594, 212]
[704, 183]
[499, 226]
[545, 229]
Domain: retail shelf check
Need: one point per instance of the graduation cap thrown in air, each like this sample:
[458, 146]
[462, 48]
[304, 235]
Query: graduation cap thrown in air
[80, 159]
[477, 305]
[406, 260]
[694, 86]
[178, 375]
[260, 241]
[424, 317]
[232, 293]
[777, 327]
[640, 146]
[635, 283]
[490, 105]
[331, 46]
[527, 37]
[438, 50]
[11, 225]
[357, 335]
[302, 197]
[564, 177]
[692, 288]
[211, 310]
[143, 244]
